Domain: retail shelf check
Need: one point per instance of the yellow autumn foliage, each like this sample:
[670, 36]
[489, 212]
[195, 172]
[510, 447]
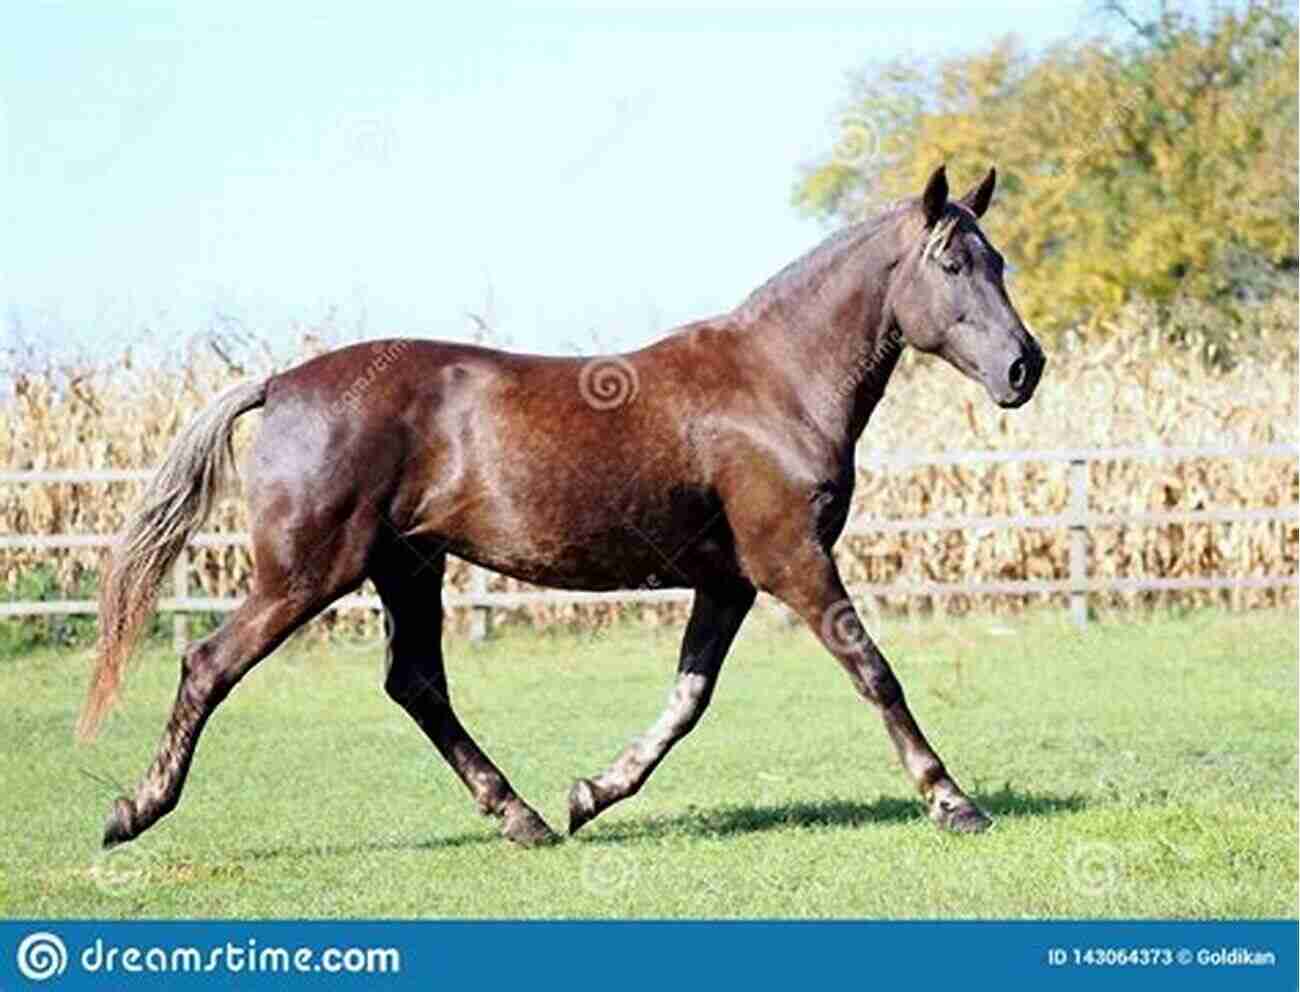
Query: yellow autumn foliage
[1157, 170]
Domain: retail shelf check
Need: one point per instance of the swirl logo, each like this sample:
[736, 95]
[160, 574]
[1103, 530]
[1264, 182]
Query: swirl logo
[841, 629]
[1093, 867]
[608, 383]
[857, 141]
[607, 872]
[42, 956]
[369, 141]
[124, 870]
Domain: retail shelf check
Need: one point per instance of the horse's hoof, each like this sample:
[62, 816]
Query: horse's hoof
[960, 817]
[582, 805]
[523, 826]
[117, 828]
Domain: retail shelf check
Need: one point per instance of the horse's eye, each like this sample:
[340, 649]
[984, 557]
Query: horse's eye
[950, 265]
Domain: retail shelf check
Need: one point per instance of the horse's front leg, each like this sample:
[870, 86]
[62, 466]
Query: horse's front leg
[810, 585]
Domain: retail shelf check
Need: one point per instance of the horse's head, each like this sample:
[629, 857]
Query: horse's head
[948, 298]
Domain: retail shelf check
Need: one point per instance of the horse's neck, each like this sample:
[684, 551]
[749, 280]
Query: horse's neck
[884, 347]
[834, 340]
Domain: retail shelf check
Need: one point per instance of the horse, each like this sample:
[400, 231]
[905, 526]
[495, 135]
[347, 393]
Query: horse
[719, 459]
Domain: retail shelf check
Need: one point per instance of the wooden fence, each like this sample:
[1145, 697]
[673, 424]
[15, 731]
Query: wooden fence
[1077, 520]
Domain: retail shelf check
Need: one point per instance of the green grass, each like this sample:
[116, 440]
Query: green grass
[1136, 769]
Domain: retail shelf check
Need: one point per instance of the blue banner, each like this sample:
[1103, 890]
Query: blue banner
[633, 956]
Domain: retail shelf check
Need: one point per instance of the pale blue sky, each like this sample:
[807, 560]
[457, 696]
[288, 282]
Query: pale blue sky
[607, 175]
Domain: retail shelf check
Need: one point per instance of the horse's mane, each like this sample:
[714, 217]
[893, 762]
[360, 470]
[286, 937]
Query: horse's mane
[808, 266]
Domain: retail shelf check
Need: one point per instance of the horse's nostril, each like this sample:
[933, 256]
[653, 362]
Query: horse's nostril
[1018, 374]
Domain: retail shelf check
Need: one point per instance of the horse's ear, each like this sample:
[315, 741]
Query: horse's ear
[935, 197]
[977, 200]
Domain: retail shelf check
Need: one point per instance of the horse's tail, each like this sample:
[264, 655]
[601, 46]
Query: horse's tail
[176, 503]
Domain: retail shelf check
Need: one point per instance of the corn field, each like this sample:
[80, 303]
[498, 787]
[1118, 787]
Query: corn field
[1131, 390]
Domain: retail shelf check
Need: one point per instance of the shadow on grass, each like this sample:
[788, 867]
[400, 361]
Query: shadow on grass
[722, 821]
[731, 820]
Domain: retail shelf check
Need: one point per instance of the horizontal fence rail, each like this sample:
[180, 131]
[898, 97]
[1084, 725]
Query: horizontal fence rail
[861, 525]
[866, 459]
[1077, 519]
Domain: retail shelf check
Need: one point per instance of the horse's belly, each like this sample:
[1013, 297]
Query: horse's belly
[637, 551]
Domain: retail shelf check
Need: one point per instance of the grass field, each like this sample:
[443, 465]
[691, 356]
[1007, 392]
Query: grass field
[1136, 769]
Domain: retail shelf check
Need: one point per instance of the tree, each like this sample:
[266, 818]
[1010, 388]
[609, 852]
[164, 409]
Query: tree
[1160, 165]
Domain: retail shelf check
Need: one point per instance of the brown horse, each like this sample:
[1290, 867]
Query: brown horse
[719, 459]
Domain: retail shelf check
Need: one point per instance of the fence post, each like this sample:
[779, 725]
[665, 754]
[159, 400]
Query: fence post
[181, 590]
[1078, 541]
[480, 624]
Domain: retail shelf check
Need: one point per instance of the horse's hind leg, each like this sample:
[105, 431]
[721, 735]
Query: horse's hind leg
[716, 615]
[210, 668]
[293, 581]
[411, 588]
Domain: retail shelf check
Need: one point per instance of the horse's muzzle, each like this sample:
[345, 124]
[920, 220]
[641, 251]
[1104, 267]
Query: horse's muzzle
[1020, 379]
